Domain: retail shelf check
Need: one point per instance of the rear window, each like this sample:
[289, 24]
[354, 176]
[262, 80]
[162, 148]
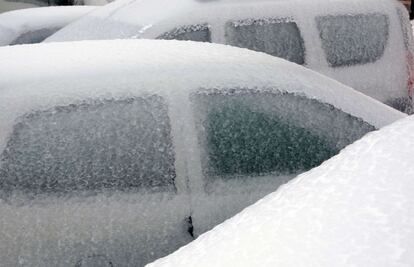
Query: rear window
[109, 144]
[353, 39]
[197, 33]
[277, 37]
[252, 133]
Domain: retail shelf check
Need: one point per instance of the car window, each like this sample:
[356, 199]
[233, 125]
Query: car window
[353, 39]
[253, 133]
[197, 33]
[34, 37]
[109, 144]
[277, 37]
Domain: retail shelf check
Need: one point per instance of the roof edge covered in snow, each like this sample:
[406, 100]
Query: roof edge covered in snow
[53, 73]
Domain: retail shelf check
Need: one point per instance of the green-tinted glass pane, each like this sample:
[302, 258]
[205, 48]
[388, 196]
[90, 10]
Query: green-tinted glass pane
[242, 141]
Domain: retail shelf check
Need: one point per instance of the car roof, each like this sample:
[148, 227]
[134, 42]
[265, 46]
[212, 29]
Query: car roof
[356, 209]
[133, 18]
[61, 73]
[17, 22]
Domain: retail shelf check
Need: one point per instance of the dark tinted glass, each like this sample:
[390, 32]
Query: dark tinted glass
[197, 33]
[34, 37]
[353, 39]
[109, 144]
[280, 38]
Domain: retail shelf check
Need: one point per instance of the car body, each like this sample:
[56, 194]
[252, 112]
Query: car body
[33, 25]
[356, 209]
[366, 44]
[124, 150]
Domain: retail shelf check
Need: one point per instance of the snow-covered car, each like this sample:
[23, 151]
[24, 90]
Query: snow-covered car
[366, 44]
[33, 25]
[356, 209]
[122, 151]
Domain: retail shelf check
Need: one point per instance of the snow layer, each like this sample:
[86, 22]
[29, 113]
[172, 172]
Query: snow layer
[356, 209]
[16, 23]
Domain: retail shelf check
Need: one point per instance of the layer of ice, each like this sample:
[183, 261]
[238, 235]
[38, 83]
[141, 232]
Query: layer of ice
[356, 209]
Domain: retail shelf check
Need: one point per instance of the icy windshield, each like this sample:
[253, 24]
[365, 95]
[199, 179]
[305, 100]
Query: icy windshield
[277, 37]
[353, 39]
[197, 33]
[247, 132]
[103, 144]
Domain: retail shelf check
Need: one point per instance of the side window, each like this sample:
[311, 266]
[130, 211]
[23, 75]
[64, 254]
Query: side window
[197, 33]
[353, 39]
[277, 37]
[100, 145]
[255, 133]
[34, 37]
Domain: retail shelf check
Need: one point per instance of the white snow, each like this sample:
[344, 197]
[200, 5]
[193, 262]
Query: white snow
[356, 209]
[383, 74]
[16, 23]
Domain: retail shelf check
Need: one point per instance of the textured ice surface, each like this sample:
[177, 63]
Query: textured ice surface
[33, 25]
[354, 210]
[264, 35]
[64, 89]
[338, 37]
[362, 42]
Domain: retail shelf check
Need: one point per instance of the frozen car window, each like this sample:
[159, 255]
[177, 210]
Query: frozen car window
[277, 37]
[353, 39]
[197, 33]
[108, 144]
[34, 37]
[247, 132]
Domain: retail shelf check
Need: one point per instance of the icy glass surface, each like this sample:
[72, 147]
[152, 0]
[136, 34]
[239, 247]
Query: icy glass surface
[108, 144]
[277, 37]
[34, 37]
[353, 39]
[249, 132]
[197, 33]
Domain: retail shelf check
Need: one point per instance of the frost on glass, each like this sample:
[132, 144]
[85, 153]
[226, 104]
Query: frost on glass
[34, 37]
[353, 39]
[252, 132]
[277, 37]
[197, 33]
[108, 144]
